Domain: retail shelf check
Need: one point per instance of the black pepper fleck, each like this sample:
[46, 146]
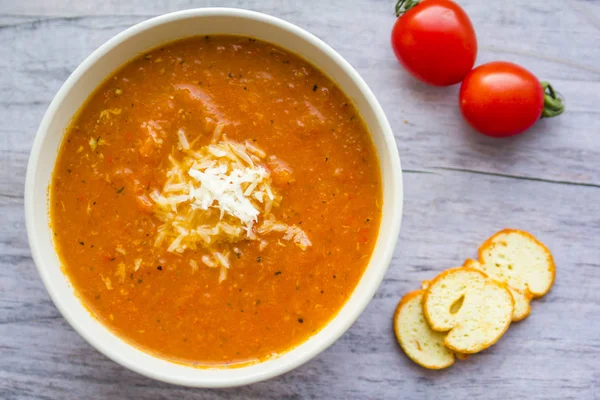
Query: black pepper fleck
[300, 320]
[315, 88]
[159, 268]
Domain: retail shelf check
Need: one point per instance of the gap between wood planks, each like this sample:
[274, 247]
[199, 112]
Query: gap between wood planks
[507, 176]
[32, 320]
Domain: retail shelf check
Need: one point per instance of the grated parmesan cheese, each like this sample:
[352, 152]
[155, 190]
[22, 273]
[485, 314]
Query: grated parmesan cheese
[183, 142]
[107, 282]
[218, 195]
[206, 259]
[298, 236]
[194, 265]
[105, 114]
[120, 272]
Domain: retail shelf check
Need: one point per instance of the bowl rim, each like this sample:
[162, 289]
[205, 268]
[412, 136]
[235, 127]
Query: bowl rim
[389, 243]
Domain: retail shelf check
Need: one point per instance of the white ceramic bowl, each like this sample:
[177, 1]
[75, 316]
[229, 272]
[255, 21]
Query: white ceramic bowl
[99, 65]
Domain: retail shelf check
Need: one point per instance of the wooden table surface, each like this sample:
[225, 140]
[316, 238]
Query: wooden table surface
[459, 188]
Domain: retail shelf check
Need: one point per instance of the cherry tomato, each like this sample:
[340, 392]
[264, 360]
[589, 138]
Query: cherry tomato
[502, 99]
[434, 40]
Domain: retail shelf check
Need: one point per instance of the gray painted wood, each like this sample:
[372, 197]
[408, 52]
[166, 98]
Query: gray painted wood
[460, 188]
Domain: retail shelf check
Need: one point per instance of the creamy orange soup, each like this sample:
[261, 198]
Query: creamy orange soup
[216, 201]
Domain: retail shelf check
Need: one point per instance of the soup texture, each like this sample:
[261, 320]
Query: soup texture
[216, 201]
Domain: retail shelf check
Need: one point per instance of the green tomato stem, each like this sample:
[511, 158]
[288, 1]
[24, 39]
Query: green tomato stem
[553, 103]
[403, 6]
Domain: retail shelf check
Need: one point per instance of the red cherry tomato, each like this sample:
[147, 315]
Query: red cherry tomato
[502, 99]
[434, 40]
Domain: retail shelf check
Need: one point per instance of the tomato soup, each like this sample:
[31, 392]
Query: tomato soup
[216, 201]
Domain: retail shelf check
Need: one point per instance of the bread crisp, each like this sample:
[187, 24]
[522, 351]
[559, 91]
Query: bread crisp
[519, 260]
[474, 309]
[420, 343]
[522, 299]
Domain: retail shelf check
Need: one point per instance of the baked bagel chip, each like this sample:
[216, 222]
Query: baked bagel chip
[420, 343]
[522, 299]
[474, 309]
[518, 259]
